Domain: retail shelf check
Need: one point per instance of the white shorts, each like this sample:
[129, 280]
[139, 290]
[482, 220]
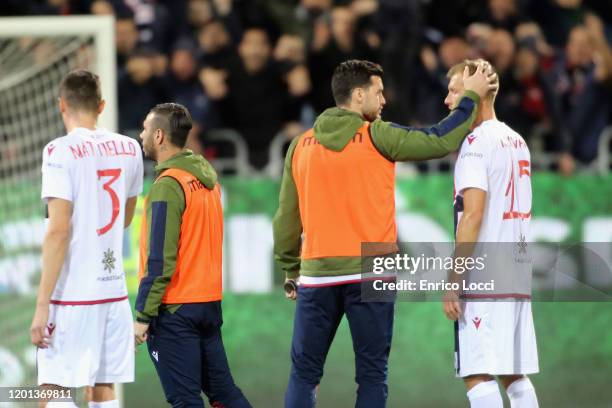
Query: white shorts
[89, 344]
[495, 337]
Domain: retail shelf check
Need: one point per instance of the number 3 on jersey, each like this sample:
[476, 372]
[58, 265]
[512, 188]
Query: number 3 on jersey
[114, 175]
[524, 170]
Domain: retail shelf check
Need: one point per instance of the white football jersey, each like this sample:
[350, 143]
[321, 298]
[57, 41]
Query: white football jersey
[496, 159]
[97, 171]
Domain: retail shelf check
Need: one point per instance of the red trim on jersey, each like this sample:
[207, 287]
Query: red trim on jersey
[496, 296]
[86, 302]
[320, 285]
[511, 215]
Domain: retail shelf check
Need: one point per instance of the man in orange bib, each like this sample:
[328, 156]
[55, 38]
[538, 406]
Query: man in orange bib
[178, 308]
[337, 192]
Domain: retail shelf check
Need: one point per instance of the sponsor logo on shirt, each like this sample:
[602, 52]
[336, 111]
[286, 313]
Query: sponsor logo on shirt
[108, 260]
[471, 154]
[522, 244]
[471, 138]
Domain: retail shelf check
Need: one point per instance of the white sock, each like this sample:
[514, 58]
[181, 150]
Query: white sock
[106, 404]
[485, 395]
[522, 394]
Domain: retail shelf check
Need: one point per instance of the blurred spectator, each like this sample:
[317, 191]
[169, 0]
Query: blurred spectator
[296, 17]
[199, 12]
[290, 48]
[155, 28]
[503, 14]
[102, 8]
[251, 94]
[451, 17]
[215, 45]
[184, 87]
[530, 34]
[535, 103]
[316, 6]
[202, 12]
[557, 17]
[290, 54]
[398, 26]
[500, 50]
[578, 80]
[430, 84]
[603, 9]
[536, 106]
[477, 36]
[334, 41]
[139, 90]
[126, 39]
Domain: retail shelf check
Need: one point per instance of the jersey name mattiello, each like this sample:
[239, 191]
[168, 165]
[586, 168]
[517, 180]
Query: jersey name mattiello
[107, 148]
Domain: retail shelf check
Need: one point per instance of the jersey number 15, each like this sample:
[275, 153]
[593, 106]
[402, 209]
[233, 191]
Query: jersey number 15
[524, 170]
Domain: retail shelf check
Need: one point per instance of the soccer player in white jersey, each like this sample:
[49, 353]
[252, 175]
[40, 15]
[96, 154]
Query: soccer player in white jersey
[495, 337]
[91, 178]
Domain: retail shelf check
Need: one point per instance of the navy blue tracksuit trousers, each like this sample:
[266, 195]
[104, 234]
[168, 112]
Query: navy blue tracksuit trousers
[187, 350]
[317, 316]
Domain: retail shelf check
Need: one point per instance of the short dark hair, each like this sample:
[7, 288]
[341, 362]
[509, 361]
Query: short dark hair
[352, 74]
[81, 90]
[175, 120]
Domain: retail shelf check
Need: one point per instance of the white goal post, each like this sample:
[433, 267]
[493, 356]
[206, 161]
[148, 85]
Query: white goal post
[100, 28]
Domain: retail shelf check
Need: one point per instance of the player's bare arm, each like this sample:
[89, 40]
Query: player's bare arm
[54, 247]
[130, 208]
[474, 201]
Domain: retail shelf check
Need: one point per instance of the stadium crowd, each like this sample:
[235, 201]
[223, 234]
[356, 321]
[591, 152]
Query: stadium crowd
[263, 67]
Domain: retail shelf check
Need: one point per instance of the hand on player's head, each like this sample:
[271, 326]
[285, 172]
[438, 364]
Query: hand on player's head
[492, 77]
[483, 81]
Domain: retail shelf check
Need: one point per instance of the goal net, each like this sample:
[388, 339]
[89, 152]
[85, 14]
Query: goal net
[35, 53]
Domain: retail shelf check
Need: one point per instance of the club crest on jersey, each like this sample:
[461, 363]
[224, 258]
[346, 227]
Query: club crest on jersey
[109, 260]
[476, 322]
[522, 245]
[471, 138]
